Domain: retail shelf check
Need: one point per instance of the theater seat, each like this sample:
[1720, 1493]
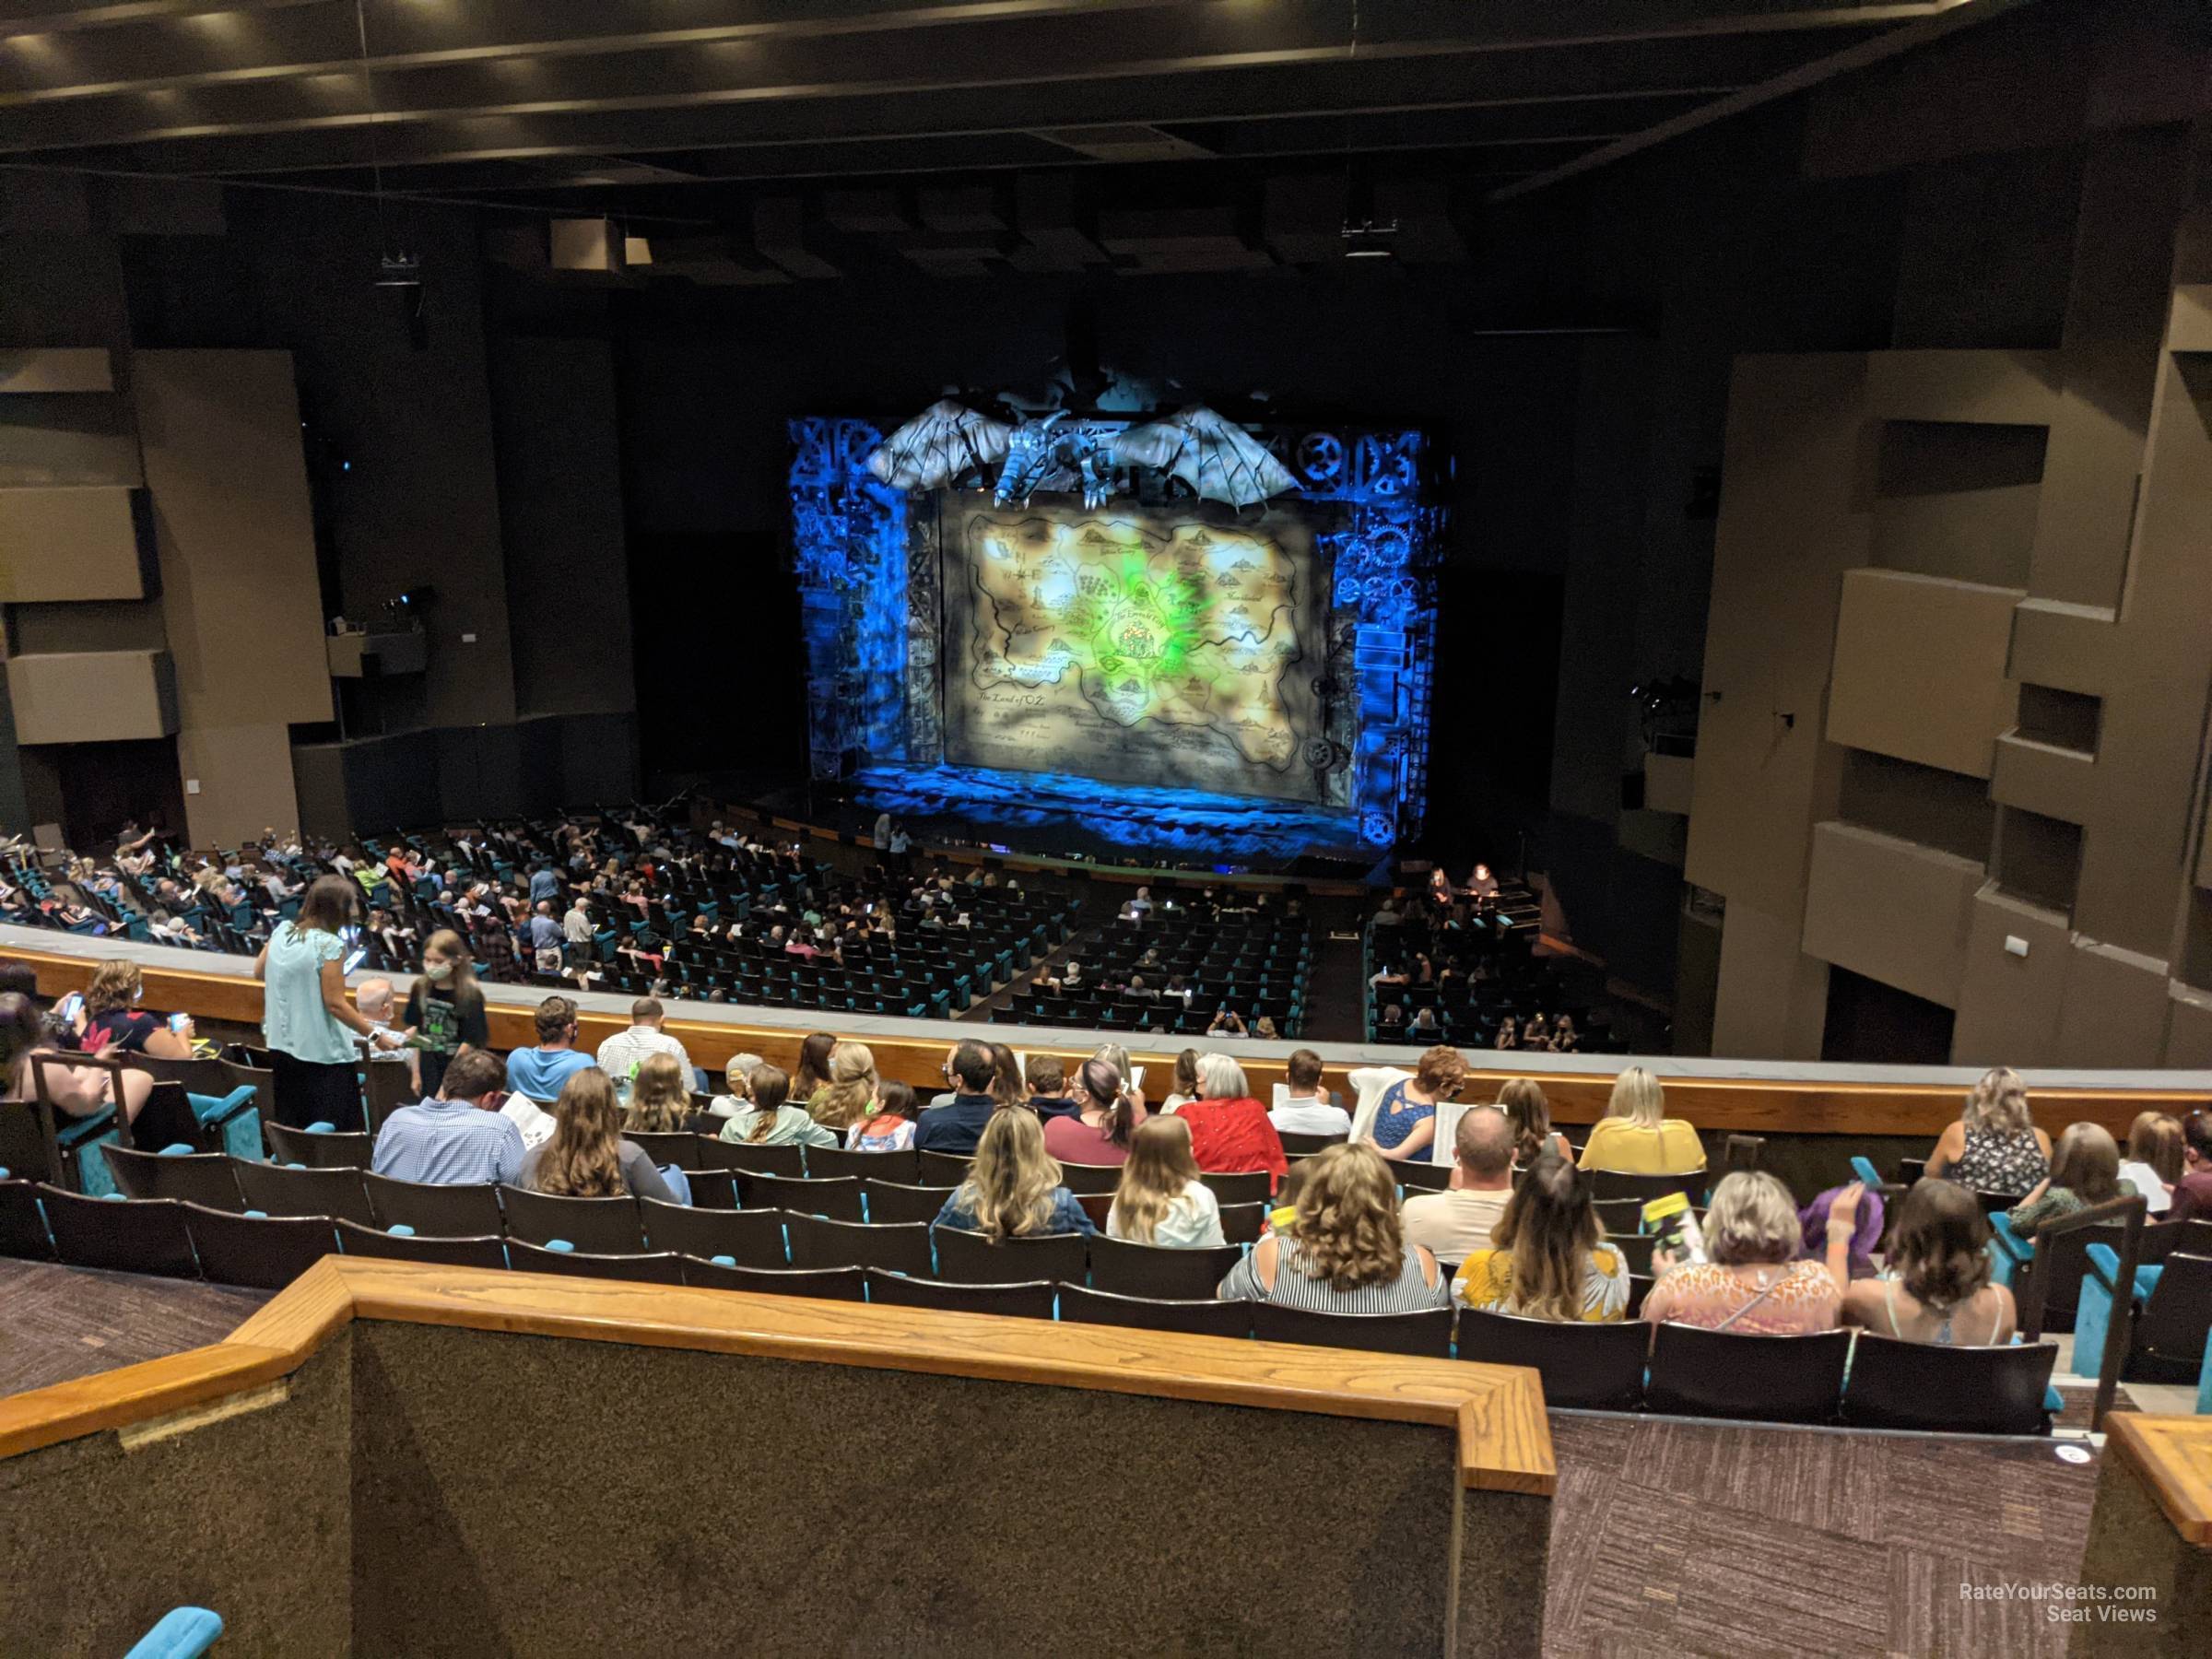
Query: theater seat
[894, 1246]
[22, 1225]
[837, 1198]
[433, 1210]
[1193, 1316]
[320, 1148]
[600, 1226]
[128, 1235]
[489, 1251]
[1427, 1331]
[654, 1267]
[1156, 1271]
[896, 1201]
[825, 1161]
[1945, 1390]
[750, 1238]
[266, 1252]
[1697, 1372]
[828, 1284]
[1029, 1301]
[193, 1177]
[968, 1258]
[1594, 1367]
[280, 1190]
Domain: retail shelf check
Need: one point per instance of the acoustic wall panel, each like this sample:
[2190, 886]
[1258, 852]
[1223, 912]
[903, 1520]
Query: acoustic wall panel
[1890, 910]
[67, 544]
[92, 696]
[1919, 669]
[56, 368]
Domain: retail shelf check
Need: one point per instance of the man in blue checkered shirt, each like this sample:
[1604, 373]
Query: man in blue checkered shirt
[460, 1138]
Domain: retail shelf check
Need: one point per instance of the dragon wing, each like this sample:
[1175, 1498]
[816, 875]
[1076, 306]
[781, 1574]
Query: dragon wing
[937, 446]
[1216, 458]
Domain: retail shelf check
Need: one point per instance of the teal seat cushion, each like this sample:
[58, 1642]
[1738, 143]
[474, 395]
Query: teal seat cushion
[183, 1633]
[236, 1117]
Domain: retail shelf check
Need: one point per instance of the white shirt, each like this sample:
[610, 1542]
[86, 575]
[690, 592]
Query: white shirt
[1192, 1221]
[576, 927]
[536, 1124]
[623, 1052]
[1310, 1116]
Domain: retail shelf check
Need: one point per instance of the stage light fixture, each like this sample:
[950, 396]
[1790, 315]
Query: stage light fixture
[1368, 240]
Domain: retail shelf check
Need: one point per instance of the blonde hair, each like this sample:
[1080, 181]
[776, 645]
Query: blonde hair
[2156, 1139]
[2086, 1162]
[850, 1094]
[1752, 1220]
[1550, 1231]
[1010, 1184]
[660, 1095]
[1161, 1165]
[115, 984]
[1346, 1225]
[584, 1159]
[1999, 1103]
[1638, 1097]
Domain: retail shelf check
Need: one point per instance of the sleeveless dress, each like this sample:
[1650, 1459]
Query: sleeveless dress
[2000, 1160]
[1945, 1337]
[1397, 1117]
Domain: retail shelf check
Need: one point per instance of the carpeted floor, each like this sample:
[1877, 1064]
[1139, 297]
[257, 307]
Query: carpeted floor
[1666, 1536]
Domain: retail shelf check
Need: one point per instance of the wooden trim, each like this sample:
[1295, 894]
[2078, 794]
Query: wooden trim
[2173, 1457]
[1504, 1439]
[1746, 1105]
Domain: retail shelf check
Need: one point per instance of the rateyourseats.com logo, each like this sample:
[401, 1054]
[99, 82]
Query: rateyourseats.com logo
[2074, 1604]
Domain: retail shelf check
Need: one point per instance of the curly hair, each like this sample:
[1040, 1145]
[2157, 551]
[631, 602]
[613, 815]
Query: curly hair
[1440, 1071]
[115, 984]
[1346, 1224]
[584, 1159]
[1999, 1101]
[1940, 1248]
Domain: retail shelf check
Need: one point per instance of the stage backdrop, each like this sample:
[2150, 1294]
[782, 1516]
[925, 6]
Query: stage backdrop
[1168, 648]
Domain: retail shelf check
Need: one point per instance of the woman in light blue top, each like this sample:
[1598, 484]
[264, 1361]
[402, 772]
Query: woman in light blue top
[306, 1017]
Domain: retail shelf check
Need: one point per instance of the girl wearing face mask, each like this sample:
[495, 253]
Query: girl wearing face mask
[445, 1008]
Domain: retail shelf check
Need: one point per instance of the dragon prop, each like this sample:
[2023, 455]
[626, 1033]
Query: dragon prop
[947, 442]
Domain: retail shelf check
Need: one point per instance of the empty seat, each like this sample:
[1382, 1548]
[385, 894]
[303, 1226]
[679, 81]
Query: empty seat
[22, 1226]
[943, 1168]
[1241, 1222]
[904, 1167]
[1029, 1301]
[1195, 1316]
[713, 1189]
[1592, 1366]
[2171, 1326]
[828, 1284]
[435, 1211]
[656, 1267]
[895, 1201]
[1947, 1390]
[750, 1238]
[1697, 1372]
[280, 1189]
[1154, 1270]
[600, 1226]
[488, 1251]
[1090, 1178]
[1427, 1331]
[320, 1148]
[760, 1157]
[675, 1147]
[266, 1252]
[837, 1198]
[130, 1235]
[1239, 1186]
[970, 1258]
[897, 1247]
[192, 1177]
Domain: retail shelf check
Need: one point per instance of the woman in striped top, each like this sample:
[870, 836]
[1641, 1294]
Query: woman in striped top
[1343, 1251]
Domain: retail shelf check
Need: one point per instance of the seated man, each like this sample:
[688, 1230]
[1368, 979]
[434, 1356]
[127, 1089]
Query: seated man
[373, 998]
[1047, 1078]
[1452, 1225]
[537, 1072]
[958, 1126]
[460, 1138]
[1306, 1106]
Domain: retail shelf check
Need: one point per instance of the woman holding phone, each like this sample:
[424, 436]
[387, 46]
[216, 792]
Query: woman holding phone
[114, 1020]
[307, 1020]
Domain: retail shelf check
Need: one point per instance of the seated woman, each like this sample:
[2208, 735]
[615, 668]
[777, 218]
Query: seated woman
[1101, 1129]
[1994, 1146]
[767, 1118]
[1637, 1137]
[1937, 1287]
[1751, 1283]
[75, 1091]
[587, 1157]
[1182, 1085]
[1013, 1188]
[114, 1020]
[1404, 1121]
[1160, 1199]
[660, 1100]
[2084, 1170]
[852, 1097]
[1549, 1260]
[1344, 1250]
[1229, 1130]
[1509, 1034]
[890, 1126]
[2157, 1155]
[1524, 1102]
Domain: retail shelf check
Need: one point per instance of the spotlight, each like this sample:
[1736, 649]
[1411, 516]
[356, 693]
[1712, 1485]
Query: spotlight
[418, 598]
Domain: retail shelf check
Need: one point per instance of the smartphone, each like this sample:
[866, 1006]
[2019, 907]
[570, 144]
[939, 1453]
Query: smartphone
[70, 1006]
[177, 1022]
[355, 959]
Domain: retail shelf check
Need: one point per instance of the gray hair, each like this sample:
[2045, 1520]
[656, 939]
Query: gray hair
[1753, 1219]
[1221, 1078]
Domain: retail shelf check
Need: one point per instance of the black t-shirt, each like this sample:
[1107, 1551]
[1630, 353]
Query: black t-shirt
[126, 1028]
[445, 1021]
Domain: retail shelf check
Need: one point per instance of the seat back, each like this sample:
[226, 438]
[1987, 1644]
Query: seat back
[266, 1252]
[714, 1188]
[1427, 1331]
[1296, 1144]
[128, 1235]
[904, 1167]
[1696, 1372]
[1239, 1186]
[1620, 1183]
[654, 1267]
[750, 1238]
[28, 1146]
[192, 1177]
[667, 1147]
[597, 1226]
[787, 1160]
[1595, 1367]
[278, 1190]
[1155, 1271]
[318, 1149]
[896, 1246]
[432, 1210]
[827, 1284]
[895, 1201]
[942, 1169]
[1032, 1300]
[386, 1085]
[1203, 1316]
[488, 1251]
[22, 1225]
[838, 1197]
[2178, 1312]
[1241, 1222]
[970, 1258]
[1897, 1384]
[1417, 1177]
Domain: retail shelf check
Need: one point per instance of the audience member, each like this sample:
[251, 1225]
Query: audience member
[1524, 1102]
[1227, 1022]
[1100, 1129]
[114, 1022]
[2085, 1170]
[1308, 1108]
[458, 1137]
[1752, 1281]
[1045, 1077]
[1637, 1136]
[2193, 1192]
[891, 1128]
[1343, 1251]
[2155, 1159]
[1937, 1287]
[587, 1157]
[1013, 1188]
[769, 1118]
[75, 1091]
[1994, 1146]
[1549, 1258]
[1160, 1200]
[736, 1084]
[660, 1100]
[812, 1070]
[1009, 1084]
[1229, 1130]
[1404, 1125]
[958, 1126]
[307, 1022]
[620, 1054]
[541, 1072]
[445, 1006]
[1454, 1223]
[848, 1099]
[1182, 1083]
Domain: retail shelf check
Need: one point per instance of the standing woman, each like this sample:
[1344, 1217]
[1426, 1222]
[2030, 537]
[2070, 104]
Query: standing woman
[445, 1008]
[307, 1020]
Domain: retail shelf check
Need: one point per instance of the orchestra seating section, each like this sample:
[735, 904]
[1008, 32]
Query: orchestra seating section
[1480, 974]
[1252, 963]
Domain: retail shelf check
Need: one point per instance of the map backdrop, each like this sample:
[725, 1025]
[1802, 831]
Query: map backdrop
[1169, 649]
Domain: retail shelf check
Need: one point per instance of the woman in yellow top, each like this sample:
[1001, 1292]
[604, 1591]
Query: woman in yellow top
[1550, 1260]
[1637, 1137]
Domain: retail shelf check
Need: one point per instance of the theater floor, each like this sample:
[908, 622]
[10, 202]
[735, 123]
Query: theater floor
[1720, 1540]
